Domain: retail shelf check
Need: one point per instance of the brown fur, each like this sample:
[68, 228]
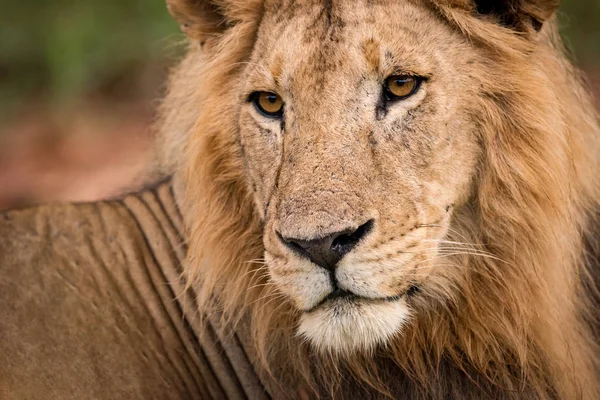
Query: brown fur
[506, 318]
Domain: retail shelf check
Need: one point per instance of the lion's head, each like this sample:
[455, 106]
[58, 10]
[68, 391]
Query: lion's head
[406, 174]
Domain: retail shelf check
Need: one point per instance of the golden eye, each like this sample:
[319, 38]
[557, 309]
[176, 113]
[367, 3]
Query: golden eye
[398, 87]
[269, 104]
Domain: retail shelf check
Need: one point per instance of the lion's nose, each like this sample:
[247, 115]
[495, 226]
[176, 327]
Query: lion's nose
[326, 252]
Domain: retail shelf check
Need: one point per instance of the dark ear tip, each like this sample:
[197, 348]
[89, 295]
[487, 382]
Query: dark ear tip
[521, 15]
[196, 18]
[537, 25]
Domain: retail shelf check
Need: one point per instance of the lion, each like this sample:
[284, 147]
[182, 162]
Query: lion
[394, 191]
[369, 199]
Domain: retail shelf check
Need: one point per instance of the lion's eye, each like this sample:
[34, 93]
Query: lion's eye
[399, 87]
[269, 104]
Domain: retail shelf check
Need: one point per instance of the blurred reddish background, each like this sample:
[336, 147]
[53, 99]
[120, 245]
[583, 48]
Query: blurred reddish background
[86, 152]
[79, 83]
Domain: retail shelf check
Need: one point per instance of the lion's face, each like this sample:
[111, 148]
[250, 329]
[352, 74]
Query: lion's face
[358, 143]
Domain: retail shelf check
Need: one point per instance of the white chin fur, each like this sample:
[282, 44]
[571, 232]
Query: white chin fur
[344, 327]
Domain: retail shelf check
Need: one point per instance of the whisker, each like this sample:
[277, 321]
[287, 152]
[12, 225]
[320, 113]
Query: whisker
[474, 251]
[261, 285]
[453, 242]
[259, 261]
[281, 296]
[274, 295]
[462, 250]
[263, 268]
[451, 230]
[457, 253]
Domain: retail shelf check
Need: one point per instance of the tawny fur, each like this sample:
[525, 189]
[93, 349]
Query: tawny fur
[512, 313]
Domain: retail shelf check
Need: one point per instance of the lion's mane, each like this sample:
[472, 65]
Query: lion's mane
[520, 318]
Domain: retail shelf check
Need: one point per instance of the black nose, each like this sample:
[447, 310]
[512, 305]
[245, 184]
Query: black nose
[328, 251]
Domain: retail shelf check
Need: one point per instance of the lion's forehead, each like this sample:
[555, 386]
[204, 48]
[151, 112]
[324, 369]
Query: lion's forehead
[311, 46]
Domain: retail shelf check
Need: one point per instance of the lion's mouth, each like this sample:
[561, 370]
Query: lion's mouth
[345, 295]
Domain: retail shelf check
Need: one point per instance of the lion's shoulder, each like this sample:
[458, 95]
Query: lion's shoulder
[87, 290]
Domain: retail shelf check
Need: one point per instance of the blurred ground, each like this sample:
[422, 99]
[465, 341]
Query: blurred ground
[84, 153]
[79, 82]
[79, 151]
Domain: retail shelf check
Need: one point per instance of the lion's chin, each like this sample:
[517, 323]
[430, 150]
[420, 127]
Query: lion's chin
[345, 326]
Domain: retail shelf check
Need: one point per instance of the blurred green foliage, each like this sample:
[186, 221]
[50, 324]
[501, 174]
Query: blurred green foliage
[62, 49]
[580, 22]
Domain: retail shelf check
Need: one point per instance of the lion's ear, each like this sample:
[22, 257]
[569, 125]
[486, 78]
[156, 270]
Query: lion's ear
[198, 19]
[521, 15]
[203, 19]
